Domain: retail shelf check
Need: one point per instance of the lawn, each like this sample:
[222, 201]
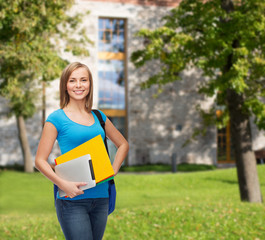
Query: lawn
[199, 205]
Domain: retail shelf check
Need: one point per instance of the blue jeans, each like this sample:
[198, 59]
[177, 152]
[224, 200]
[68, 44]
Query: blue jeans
[84, 219]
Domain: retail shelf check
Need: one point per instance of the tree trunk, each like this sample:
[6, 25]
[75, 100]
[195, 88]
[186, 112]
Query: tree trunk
[241, 133]
[22, 134]
[43, 103]
[245, 158]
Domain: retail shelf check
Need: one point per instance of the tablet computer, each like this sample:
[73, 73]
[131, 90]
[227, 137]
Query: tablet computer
[77, 170]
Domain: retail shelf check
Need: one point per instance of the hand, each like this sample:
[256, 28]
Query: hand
[115, 170]
[72, 188]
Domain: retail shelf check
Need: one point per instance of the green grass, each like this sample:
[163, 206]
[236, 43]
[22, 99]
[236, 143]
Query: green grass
[200, 205]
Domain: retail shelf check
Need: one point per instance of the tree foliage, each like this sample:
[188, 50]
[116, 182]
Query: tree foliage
[226, 42]
[32, 36]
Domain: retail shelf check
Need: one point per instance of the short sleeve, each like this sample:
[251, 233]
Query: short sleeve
[54, 118]
[104, 117]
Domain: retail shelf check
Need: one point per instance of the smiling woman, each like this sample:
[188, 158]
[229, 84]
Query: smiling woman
[83, 214]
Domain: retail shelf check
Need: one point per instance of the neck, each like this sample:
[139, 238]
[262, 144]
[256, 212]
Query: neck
[74, 106]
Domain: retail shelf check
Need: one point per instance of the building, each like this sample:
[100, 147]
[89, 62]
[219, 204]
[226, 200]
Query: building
[156, 128]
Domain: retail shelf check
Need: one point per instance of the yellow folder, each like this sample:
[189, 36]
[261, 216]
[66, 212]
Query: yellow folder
[99, 156]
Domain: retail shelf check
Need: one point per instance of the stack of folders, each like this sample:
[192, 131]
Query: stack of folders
[89, 162]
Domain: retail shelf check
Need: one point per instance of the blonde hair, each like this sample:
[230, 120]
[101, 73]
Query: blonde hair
[64, 96]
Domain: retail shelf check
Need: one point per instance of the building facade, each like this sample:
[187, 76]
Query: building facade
[156, 126]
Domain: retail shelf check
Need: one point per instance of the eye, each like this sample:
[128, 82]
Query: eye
[84, 80]
[71, 80]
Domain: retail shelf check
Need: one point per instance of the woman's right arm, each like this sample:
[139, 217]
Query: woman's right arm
[48, 137]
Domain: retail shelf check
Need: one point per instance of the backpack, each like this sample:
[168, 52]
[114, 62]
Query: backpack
[112, 188]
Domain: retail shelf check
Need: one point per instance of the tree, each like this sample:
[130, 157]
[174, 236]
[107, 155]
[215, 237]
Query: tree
[226, 40]
[32, 35]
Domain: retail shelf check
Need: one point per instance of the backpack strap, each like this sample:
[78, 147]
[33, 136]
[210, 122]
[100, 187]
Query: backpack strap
[102, 123]
[112, 188]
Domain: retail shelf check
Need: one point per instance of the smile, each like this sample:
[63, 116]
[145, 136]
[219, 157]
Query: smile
[79, 92]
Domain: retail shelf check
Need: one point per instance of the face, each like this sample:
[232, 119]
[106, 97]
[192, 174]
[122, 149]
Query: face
[78, 84]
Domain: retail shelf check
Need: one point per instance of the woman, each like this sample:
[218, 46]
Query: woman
[83, 214]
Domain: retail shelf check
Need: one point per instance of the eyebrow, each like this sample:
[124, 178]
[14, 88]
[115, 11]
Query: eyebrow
[80, 78]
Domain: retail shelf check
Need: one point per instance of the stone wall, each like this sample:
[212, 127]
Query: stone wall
[159, 127]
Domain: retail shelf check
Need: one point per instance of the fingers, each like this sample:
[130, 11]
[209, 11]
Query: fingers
[72, 195]
[79, 184]
[78, 191]
[74, 190]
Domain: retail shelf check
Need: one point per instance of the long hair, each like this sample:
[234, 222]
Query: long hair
[64, 96]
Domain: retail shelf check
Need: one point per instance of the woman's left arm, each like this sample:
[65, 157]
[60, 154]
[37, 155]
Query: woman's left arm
[120, 142]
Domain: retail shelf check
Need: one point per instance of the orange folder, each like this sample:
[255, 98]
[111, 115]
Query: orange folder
[99, 156]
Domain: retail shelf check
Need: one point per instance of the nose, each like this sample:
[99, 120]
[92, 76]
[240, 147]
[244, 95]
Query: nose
[78, 84]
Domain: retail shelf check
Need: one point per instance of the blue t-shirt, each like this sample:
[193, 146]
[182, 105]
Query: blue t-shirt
[71, 135]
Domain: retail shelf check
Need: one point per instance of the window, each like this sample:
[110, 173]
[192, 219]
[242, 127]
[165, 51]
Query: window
[111, 35]
[111, 64]
[112, 73]
[111, 84]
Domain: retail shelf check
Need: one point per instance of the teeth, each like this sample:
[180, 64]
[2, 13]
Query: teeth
[78, 92]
